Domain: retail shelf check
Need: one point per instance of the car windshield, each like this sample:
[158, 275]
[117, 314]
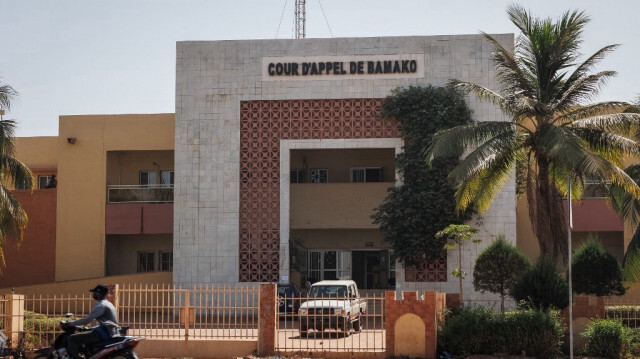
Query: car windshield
[285, 291]
[328, 291]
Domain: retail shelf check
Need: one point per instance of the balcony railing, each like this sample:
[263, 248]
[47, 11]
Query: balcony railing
[140, 193]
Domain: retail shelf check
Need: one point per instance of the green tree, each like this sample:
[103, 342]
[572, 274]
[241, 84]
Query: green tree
[606, 280]
[455, 235]
[414, 211]
[554, 132]
[13, 219]
[542, 286]
[498, 267]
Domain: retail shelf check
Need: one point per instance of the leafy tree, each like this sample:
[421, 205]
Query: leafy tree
[554, 131]
[606, 280]
[498, 267]
[13, 219]
[542, 286]
[414, 211]
[455, 235]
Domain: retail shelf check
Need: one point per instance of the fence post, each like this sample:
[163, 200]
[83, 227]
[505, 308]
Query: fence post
[14, 317]
[186, 316]
[267, 319]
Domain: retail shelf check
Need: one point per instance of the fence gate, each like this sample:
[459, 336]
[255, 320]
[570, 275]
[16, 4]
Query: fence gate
[325, 329]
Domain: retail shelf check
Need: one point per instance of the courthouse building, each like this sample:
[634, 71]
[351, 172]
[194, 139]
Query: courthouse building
[268, 172]
[280, 143]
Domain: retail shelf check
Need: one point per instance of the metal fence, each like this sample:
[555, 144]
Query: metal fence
[43, 314]
[624, 310]
[205, 312]
[139, 193]
[331, 324]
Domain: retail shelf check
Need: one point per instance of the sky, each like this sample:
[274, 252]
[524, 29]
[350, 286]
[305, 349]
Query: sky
[69, 57]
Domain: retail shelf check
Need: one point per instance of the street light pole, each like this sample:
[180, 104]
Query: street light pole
[569, 226]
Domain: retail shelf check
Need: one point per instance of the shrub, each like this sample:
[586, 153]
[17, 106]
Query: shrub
[40, 330]
[605, 281]
[498, 267]
[469, 331]
[608, 338]
[478, 330]
[542, 286]
[533, 332]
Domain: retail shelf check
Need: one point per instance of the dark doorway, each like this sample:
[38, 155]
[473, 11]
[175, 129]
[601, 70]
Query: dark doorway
[370, 269]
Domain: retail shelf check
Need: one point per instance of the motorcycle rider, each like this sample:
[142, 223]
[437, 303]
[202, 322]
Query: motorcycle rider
[104, 312]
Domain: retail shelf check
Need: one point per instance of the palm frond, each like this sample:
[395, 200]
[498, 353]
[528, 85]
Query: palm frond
[509, 73]
[449, 142]
[608, 144]
[625, 124]
[631, 260]
[583, 69]
[584, 88]
[7, 94]
[482, 93]
[13, 218]
[581, 112]
[16, 171]
[484, 155]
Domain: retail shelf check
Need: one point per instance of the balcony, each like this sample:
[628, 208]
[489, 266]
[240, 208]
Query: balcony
[140, 194]
[133, 209]
[335, 205]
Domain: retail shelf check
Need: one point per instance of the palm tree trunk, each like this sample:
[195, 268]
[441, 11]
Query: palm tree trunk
[547, 214]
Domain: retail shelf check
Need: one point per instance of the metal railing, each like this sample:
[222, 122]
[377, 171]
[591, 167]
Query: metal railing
[139, 193]
[206, 312]
[625, 310]
[43, 314]
[323, 329]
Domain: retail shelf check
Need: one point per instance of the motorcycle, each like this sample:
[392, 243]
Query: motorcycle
[118, 347]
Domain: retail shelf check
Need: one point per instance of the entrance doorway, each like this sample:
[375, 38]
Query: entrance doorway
[371, 269]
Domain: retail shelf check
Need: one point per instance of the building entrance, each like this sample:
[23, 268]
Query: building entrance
[369, 269]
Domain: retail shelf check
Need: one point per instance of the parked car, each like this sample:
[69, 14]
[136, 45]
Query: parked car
[332, 304]
[288, 299]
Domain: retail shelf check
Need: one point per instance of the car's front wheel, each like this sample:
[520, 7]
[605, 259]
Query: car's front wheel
[356, 325]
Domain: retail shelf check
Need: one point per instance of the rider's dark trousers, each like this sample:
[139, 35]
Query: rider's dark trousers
[77, 341]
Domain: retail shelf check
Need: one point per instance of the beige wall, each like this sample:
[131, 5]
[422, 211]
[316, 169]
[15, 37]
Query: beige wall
[82, 180]
[123, 167]
[38, 152]
[339, 162]
[341, 238]
[335, 205]
[82, 286]
[122, 251]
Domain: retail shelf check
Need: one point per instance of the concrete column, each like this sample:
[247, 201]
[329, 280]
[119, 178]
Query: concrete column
[15, 317]
[267, 320]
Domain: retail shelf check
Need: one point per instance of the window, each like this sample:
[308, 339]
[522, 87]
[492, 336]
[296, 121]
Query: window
[297, 176]
[21, 185]
[44, 181]
[167, 178]
[166, 261]
[366, 174]
[148, 178]
[320, 175]
[329, 265]
[146, 261]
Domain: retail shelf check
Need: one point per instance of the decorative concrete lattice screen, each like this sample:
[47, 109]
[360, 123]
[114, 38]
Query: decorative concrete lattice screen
[428, 271]
[262, 125]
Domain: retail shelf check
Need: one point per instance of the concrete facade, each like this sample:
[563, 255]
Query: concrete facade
[213, 77]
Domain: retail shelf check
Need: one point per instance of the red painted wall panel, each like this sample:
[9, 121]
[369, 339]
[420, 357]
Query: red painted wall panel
[595, 215]
[123, 218]
[34, 261]
[157, 218]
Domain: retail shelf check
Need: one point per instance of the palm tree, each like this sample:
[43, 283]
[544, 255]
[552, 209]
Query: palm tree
[554, 131]
[13, 219]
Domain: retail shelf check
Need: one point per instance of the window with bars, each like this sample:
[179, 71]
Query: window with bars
[320, 175]
[366, 174]
[44, 181]
[297, 176]
[146, 261]
[166, 261]
[148, 178]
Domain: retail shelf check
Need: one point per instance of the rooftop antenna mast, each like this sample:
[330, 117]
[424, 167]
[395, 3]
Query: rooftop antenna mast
[301, 19]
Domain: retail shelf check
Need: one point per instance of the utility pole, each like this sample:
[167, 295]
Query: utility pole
[301, 19]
